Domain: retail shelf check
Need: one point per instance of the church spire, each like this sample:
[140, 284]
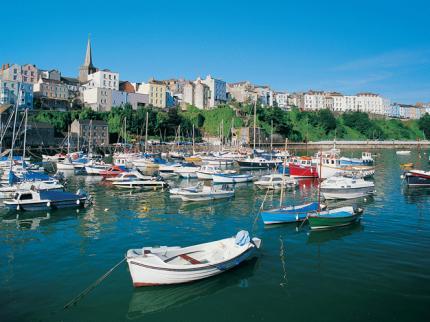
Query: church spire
[88, 57]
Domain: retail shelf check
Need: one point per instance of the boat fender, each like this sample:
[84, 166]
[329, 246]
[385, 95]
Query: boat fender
[18, 207]
[48, 204]
[78, 202]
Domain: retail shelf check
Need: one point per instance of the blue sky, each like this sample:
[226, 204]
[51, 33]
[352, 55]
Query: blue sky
[349, 46]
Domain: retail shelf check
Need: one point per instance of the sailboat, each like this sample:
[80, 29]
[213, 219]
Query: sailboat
[290, 214]
[333, 218]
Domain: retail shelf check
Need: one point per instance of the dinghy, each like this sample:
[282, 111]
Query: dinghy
[346, 188]
[288, 214]
[204, 193]
[173, 265]
[403, 152]
[334, 218]
[231, 178]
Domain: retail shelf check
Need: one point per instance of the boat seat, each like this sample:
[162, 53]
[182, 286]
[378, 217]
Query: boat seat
[189, 259]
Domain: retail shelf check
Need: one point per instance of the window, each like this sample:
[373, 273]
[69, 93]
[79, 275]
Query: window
[26, 196]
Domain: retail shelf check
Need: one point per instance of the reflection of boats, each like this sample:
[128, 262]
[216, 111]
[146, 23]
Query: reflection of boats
[346, 188]
[154, 299]
[288, 214]
[319, 237]
[334, 218]
[403, 152]
[26, 222]
[172, 265]
[274, 181]
[204, 193]
[231, 178]
[418, 178]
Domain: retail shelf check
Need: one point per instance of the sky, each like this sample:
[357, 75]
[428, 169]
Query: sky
[341, 45]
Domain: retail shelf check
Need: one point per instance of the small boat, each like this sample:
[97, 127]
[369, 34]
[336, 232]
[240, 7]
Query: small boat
[288, 214]
[274, 182]
[403, 152]
[113, 171]
[9, 191]
[303, 167]
[407, 165]
[187, 170]
[54, 158]
[173, 265]
[259, 163]
[206, 171]
[65, 164]
[366, 159]
[231, 178]
[204, 193]
[417, 178]
[96, 168]
[34, 200]
[133, 180]
[357, 171]
[333, 218]
[346, 188]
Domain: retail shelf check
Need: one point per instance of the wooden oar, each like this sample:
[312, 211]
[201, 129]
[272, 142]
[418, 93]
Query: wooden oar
[77, 298]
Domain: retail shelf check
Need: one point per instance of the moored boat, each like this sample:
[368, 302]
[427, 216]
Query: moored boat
[204, 193]
[333, 218]
[173, 265]
[418, 178]
[346, 188]
[274, 181]
[288, 214]
[231, 178]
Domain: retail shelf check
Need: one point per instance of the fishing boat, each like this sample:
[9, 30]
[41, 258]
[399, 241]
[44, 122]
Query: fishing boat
[366, 159]
[303, 167]
[357, 171]
[34, 200]
[204, 193]
[274, 181]
[418, 178]
[231, 178]
[346, 188]
[173, 265]
[403, 152]
[289, 214]
[334, 218]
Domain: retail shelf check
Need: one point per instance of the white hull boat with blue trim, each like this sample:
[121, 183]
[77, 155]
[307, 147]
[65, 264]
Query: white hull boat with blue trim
[174, 265]
[231, 178]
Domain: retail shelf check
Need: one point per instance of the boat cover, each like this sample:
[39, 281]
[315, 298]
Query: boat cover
[58, 195]
[242, 238]
[35, 176]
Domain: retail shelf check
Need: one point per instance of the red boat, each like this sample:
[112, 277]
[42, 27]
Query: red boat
[113, 171]
[303, 167]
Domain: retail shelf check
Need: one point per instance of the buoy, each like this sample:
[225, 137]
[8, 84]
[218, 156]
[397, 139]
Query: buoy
[48, 204]
[78, 202]
[18, 207]
[106, 209]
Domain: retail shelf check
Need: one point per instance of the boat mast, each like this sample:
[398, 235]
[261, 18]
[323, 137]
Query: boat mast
[194, 152]
[319, 182]
[90, 147]
[271, 142]
[283, 175]
[68, 141]
[255, 121]
[146, 132]
[25, 136]
[13, 131]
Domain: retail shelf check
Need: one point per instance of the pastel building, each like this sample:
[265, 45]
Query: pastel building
[103, 79]
[103, 99]
[281, 99]
[242, 92]
[196, 93]
[92, 132]
[13, 92]
[156, 91]
[27, 73]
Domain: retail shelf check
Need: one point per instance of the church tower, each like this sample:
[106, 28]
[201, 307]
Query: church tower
[87, 68]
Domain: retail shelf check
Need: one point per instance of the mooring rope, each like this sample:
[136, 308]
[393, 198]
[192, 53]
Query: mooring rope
[92, 286]
[258, 212]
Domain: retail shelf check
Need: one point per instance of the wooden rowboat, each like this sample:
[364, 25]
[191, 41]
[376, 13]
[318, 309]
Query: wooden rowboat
[334, 218]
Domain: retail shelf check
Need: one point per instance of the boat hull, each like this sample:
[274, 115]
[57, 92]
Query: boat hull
[43, 205]
[288, 215]
[415, 180]
[346, 193]
[298, 171]
[257, 164]
[336, 219]
[227, 179]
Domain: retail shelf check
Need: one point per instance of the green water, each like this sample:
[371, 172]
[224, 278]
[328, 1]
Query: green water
[377, 270]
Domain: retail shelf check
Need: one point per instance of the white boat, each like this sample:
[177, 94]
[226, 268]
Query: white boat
[96, 168]
[346, 188]
[66, 164]
[54, 158]
[173, 265]
[203, 193]
[403, 152]
[206, 171]
[274, 181]
[187, 172]
[133, 180]
[259, 163]
[8, 191]
[231, 178]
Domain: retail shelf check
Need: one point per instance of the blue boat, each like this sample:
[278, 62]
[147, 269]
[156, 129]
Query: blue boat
[35, 200]
[288, 214]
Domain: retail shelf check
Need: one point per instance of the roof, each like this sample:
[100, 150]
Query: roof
[70, 80]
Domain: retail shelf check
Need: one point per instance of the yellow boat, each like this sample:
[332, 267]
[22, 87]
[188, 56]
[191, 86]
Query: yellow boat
[407, 165]
[193, 159]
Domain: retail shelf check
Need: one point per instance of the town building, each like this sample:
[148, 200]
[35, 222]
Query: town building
[27, 73]
[137, 100]
[156, 90]
[91, 132]
[103, 79]
[196, 93]
[50, 92]
[218, 90]
[281, 99]
[41, 134]
[313, 100]
[87, 68]
[13, 92]
[76, 96]
[265, 95]
[242, 92]
[103, 99]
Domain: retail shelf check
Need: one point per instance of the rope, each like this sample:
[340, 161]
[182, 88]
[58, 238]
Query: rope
[258, 212]
[92, 286]
[282, 256]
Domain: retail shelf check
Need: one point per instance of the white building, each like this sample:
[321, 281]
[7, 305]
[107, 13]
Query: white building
[265, 95]
[27, 73]
[281, 99]
[103, 99]
[197, 94]
[371, 103]
[103, 79]
[314, 100]
[242, 92]
[218, 90]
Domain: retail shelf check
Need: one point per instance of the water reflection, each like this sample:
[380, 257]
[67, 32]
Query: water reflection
[323, 236]
[160, 298]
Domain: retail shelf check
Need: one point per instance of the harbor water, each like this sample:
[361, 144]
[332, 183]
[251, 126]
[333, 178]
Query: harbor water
[376, 270]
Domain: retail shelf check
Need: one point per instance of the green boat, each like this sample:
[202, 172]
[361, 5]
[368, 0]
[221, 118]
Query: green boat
[333, 218]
